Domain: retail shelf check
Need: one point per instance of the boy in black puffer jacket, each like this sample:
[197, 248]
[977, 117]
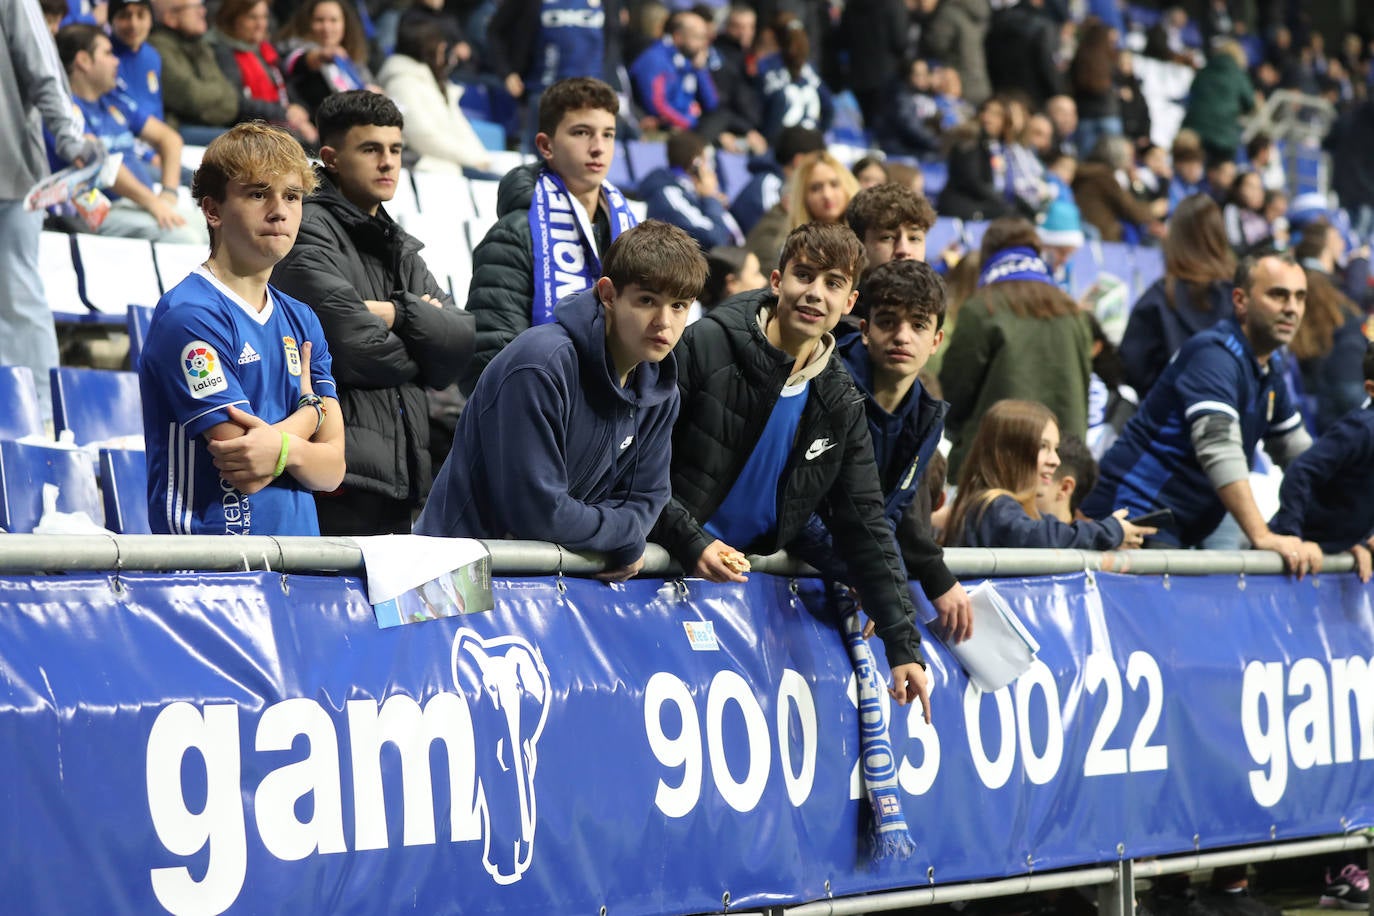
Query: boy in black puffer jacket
[772, 429]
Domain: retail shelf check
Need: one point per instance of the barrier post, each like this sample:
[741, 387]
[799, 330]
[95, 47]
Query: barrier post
[1117, 897]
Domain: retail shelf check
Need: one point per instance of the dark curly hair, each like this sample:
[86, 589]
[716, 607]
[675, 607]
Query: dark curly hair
[888, 206]
[911, 288]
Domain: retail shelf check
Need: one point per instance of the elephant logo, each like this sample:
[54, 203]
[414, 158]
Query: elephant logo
[509, 712]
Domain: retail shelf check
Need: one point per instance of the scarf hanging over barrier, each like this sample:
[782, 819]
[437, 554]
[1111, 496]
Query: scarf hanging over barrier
[889, 837]
[1015, 264]
[565, 257]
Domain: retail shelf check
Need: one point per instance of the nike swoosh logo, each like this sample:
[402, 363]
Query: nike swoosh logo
[818, 448]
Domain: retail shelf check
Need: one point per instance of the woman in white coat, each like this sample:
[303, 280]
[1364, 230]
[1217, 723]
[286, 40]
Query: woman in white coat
[416, 79]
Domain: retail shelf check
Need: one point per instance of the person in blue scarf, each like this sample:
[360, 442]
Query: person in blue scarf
[1019, 336]
[328, 53]
[555, 217]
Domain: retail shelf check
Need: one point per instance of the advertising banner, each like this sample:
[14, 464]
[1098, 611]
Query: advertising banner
[255, 743]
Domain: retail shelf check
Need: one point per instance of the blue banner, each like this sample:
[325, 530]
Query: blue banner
[254, 743]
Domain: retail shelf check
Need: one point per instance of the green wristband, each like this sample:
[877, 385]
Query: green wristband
[281, 458]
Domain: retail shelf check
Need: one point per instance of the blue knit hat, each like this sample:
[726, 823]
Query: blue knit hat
[1061, 225]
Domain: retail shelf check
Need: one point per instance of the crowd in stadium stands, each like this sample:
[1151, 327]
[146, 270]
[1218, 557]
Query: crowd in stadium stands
[814, 371]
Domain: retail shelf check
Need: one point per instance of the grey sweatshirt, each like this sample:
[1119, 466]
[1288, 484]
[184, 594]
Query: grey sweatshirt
[32, 87]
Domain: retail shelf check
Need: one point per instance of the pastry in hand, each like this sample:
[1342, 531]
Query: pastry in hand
[735, 561]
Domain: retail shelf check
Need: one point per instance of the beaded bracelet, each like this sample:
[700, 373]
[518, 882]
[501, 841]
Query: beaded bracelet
[317, 402]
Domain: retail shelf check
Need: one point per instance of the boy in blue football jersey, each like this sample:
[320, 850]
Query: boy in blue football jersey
[239, 408]
[141, 207]
[140, 66]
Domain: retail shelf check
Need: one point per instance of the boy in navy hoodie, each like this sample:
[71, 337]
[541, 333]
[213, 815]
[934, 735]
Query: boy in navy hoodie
[565, 437]
[905, 326]
[1328, 493]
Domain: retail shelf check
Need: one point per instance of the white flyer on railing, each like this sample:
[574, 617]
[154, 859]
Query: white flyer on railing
[412, 578]
[1001, 649]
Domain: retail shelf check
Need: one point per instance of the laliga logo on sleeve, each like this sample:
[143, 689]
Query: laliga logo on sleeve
[201, 366]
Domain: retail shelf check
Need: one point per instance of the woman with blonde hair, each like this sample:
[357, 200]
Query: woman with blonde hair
[1221, 92]
[1011, 464]
[818, 191]
[1193, 294]
[821, 190]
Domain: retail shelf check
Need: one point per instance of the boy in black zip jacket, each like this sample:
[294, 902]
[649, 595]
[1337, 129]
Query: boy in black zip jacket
[905, 302]
[772, 430]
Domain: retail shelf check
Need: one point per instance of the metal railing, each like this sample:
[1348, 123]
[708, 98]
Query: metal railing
[1291, 115]
[1115, 883]
[52, 553]
[1301, 122]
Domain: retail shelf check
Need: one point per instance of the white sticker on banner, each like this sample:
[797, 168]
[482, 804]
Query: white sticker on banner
[701, 635]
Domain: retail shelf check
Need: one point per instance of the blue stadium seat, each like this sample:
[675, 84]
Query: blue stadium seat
[1253, 48]
[937, 176]
[475, 100]
[945, 230]
[619, 172]
[1149, 267]
[848, 126]
[97, 405]
[124, 489]
[1143, 16]
[24, 469]
[19, 412]
[140, 318]
[733, 171]
[492, 135]
[973, 233]
[644, 156]
[1083, 270]
[1117, 259]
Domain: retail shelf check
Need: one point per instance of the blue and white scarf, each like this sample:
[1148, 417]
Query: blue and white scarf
[1015, 264]
[888, 837]
[565, 257]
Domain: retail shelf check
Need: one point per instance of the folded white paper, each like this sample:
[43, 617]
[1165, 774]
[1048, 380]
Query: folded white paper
[397, 563]
[1000, 649]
